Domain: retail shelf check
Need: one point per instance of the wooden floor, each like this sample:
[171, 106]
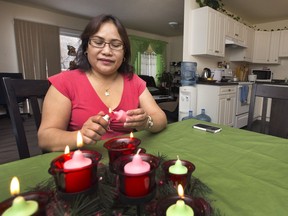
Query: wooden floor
[8, 148]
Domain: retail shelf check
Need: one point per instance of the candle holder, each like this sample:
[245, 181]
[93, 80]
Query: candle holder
[72, 182]
[177, 179]
[121, 146]
[199, 205]
[136, 188]
[41, 197]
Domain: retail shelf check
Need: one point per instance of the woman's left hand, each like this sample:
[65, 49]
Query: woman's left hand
[136, 119]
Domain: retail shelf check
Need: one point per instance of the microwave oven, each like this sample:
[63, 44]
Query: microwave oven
[262, 75]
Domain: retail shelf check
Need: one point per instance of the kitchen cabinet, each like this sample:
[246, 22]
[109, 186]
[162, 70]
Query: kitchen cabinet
[218, 101]
[266, 47]
[207, 32]
[240, 53]
[283, 47]
[235, 30]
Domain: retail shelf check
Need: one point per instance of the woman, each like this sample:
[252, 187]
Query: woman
[78, 99]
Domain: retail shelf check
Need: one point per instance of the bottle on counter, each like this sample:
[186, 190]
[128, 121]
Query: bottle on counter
[203, 116]
[190, 116]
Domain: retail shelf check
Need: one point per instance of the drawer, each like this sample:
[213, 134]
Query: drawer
[241, 120]
[228, 90]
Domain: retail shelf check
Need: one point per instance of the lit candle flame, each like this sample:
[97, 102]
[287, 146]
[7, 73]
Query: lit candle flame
[14, 186]
[180, 191]
[67, 150]
[131, 135]
[79, 140]
[110, 110]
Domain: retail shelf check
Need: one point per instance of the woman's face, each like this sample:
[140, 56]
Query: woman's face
[105, 60]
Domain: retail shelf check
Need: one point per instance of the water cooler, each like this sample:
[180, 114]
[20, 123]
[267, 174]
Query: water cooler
[187, 100]
[188, 90]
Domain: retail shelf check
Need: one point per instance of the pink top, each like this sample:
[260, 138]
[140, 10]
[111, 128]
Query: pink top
[76, 87]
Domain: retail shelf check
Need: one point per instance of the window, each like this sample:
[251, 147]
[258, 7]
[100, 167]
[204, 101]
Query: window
[148, 56]
[149, 62]
[69, 43]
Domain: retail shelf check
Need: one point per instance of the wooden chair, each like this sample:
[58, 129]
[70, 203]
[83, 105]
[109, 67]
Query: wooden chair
[31, 90]
[277, 125]
[2, 89]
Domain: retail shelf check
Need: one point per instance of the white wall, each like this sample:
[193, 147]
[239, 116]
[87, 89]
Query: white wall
[10, 11]
[281, 24]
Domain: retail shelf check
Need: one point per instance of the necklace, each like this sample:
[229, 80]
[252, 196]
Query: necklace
[107, 93]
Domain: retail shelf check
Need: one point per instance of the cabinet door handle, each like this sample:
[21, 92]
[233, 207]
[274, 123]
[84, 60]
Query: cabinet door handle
[228, 99]
[216, 51]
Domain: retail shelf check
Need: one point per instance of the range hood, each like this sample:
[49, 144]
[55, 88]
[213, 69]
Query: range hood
[234, 43]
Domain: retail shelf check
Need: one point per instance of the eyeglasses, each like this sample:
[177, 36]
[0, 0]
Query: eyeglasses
[98, 42]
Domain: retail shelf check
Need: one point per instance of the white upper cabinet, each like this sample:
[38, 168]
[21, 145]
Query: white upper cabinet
[283, 48]
[243, 54]
[207, 34]
[266, 47]
[235, 30]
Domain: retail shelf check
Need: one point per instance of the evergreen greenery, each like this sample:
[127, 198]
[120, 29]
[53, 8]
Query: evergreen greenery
[106, 202]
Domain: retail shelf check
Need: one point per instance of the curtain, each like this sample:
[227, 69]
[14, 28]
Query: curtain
[38, 49]
[139, 45]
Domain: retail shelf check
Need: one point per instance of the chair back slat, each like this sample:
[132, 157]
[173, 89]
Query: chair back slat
[31, 90]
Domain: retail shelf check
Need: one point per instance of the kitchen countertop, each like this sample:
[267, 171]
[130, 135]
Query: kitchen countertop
[274, 82]
[217, 83]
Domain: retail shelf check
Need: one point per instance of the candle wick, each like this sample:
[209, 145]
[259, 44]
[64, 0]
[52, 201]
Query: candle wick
[138, 151]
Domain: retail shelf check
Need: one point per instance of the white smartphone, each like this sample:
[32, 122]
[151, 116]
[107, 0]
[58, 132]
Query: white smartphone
[207, 128]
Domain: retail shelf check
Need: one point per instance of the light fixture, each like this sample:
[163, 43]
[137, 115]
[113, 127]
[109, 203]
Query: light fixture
[173, 24]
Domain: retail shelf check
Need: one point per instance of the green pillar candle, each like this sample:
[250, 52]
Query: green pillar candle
[179, 209]
[178, 168]
[21, 207]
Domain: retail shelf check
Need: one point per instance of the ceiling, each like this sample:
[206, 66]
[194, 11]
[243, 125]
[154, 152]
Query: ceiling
[152, 16]
[258, 11]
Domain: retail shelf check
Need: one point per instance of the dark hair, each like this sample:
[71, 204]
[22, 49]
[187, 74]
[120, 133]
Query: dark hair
[93, 26]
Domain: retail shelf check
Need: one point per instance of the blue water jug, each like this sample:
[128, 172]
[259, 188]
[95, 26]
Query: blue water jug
[190, 115]
[203, 116]
[188, 73]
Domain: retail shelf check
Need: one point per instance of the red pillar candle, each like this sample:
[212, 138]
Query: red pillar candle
[178, 171]
[78, 170]
[121, 146]
[137, 179]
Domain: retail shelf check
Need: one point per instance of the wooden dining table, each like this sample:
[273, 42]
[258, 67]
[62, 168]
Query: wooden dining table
[246, 171]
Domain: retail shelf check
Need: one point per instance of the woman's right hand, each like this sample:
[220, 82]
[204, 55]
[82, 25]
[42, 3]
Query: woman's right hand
[94, 128]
